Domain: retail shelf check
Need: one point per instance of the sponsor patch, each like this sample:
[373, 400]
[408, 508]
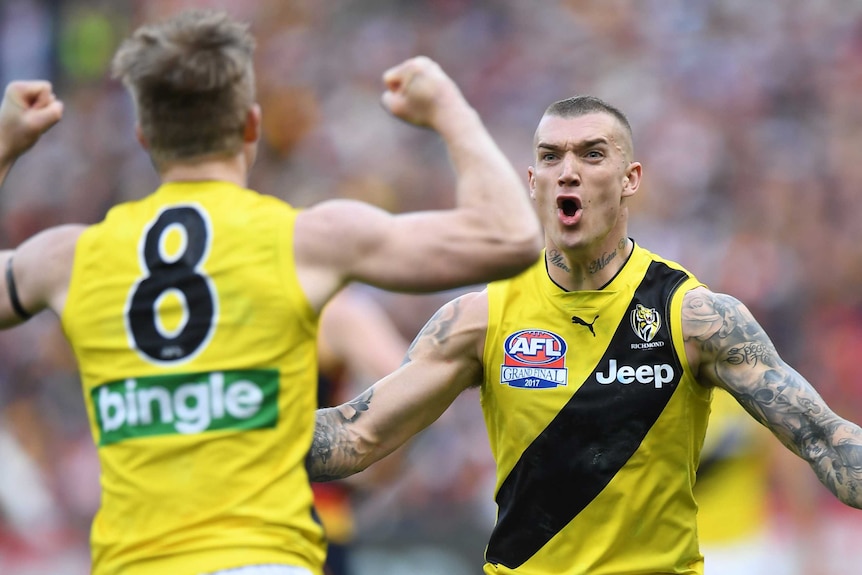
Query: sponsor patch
[183, 404]
[656, 375]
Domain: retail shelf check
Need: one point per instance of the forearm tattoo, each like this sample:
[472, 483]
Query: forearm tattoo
[337, 450]
[738, 355]
[332, 454]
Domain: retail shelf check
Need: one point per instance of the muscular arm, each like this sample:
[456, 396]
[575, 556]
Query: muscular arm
[443, 360]
[42, 267]
[492, 232]
[729, 349]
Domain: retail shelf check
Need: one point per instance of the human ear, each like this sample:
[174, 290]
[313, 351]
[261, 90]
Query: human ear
[251, 133]
[632, 180]
[531, 180]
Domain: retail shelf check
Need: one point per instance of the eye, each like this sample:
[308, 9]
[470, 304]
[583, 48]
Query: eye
[595, 155]
[548, 157]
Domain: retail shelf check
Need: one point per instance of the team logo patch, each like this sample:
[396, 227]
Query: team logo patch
[645, 322]
[535, 359]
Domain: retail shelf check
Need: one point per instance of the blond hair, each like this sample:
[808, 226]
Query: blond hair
[192, 81]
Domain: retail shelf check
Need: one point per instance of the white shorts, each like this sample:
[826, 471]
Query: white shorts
[264, 570]
[752, 556]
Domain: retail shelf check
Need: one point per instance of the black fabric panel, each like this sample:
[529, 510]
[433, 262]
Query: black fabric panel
[591, 438]
[730, 444]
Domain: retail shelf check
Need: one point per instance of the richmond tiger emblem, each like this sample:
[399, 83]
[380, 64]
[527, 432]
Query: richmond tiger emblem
[645, 322]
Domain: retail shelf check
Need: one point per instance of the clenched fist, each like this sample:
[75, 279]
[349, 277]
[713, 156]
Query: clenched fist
[28, 110]
[419, 91]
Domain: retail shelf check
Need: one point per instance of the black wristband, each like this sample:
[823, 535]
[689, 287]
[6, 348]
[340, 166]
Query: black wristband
[13, 292]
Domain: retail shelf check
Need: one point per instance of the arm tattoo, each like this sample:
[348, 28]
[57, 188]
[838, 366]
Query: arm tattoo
[438, 328]
[332, 455]
[337, 449]
[739, 356]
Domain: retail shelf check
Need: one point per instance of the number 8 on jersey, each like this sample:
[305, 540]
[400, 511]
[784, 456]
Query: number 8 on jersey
[172, 251]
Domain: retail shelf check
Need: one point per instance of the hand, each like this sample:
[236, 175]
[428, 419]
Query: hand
[28, 110]
[419, 91]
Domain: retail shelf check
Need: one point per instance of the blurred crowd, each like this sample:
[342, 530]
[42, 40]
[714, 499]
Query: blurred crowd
[746, 116]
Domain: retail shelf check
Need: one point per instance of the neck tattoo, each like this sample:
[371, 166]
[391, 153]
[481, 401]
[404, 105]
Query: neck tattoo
[556, 258]
[600, 263]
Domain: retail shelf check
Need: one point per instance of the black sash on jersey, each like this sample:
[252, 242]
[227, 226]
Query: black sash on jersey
[589, 440]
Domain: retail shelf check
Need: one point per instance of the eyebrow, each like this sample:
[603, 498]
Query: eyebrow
[579, 145]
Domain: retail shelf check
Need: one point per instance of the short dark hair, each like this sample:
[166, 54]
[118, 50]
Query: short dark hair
[582, 105]
[192, 81]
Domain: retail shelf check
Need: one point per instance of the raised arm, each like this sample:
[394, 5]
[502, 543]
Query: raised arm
[492, 232]
[28, 110]
[729, 349]
[443, 361]
[35, 275]
[494, 209]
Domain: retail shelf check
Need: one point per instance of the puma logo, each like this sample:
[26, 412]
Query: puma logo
[589, 326]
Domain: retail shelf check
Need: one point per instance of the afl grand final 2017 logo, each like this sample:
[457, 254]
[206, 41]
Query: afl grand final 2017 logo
[534, 359]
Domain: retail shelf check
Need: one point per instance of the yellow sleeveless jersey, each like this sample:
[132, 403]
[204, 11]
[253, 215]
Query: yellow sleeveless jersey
[595, 422]
[732, 489]
[196, 347]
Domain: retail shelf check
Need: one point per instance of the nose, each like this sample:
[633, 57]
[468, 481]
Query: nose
[569, 173]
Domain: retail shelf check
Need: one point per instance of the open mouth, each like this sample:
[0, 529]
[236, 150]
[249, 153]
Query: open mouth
[569, 206]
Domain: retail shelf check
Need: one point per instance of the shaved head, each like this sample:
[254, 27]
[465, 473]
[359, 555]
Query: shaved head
[584, 105]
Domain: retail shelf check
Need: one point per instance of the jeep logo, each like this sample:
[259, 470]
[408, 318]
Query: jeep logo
[626, 374]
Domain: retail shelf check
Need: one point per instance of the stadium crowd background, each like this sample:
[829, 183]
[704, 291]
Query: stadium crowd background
[747, 117]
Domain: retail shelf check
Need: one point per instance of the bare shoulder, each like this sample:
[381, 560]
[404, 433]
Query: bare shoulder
[716, 319]
[329, 239]
[54, 247]
[456, 330]
[43, 267]
[723, 338]
[467, 313]
[62, 238]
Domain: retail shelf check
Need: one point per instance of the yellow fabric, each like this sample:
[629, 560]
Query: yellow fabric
[643, 520]
[333, 505]
[732, 488]
[203, 415]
